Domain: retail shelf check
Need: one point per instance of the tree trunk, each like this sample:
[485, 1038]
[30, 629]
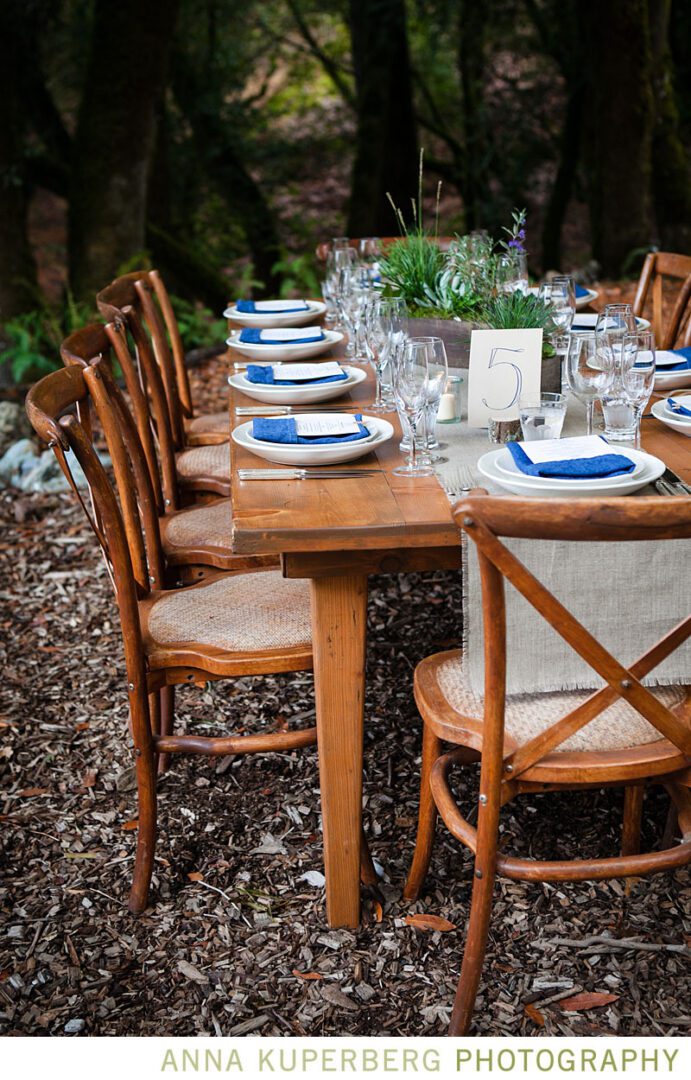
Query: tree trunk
[477, 144]
[125, 77]
[386, 142]
[620, 126]
[671, 171]
[18, 287]
[562, 188]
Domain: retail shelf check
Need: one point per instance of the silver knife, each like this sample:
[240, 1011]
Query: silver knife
[304, 474]
[290, 410]
[670, 477]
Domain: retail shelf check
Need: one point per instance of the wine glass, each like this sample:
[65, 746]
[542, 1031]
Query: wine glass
[410, 380]
[562, 307]
[383, 324]
[589, 371]
[566, 279]
[438, 368]
[633, 360]
[369, 250]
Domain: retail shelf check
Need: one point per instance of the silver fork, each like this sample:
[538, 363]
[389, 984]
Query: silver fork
[459, 481]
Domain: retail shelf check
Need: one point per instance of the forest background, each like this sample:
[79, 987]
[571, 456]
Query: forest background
[220, 141]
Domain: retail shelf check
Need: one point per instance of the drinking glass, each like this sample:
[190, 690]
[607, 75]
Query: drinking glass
[438, 368]
[615, 320]
[352, 294]
[542, 417]
[369, 250]
[589, 371]
[634, 376]
[512, 272]
[383, 330]
[411, 383]
[562, 307]
[566, 279]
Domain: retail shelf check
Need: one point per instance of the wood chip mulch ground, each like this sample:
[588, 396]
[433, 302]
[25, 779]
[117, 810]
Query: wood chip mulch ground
[235, 941]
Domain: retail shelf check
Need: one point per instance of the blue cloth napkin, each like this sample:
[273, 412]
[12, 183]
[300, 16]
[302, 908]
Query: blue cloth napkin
[675, 407]
[266, 376]
[253, 337]
[283, 430]
[574, 468]
[683, 365]
[249, 307]
[581, 291]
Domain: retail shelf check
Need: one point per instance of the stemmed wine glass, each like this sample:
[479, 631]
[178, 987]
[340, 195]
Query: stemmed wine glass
[589, 371]
[633, 360]
[383, 331]
[438, 374]
[411, 387]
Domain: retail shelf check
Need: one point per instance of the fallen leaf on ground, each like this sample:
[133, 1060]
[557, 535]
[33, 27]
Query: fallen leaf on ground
[308, 976]
[195, 876]
[128, 826]
[583, 1002]
[191, 972]
[28, 792]
[429, 922]
[336, 997]
[535, 1015]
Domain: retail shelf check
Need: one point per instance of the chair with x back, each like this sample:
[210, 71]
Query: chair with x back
[230, 624]
[624, 734]
[658, 265]
[203, 457]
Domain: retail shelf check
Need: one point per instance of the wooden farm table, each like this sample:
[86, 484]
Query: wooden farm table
[336, 533]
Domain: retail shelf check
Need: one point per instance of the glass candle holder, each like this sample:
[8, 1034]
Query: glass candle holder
[450, 401]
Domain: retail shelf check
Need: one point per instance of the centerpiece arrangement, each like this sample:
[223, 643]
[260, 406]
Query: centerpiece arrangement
[475, 283]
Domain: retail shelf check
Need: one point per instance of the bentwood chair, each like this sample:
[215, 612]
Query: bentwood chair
[322, 250]
[231, 624]
[201, 443]
[192, 537]
[622, 735]
[659, 265]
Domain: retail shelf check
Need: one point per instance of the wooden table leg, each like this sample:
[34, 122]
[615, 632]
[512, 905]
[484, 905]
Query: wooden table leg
[339, 624]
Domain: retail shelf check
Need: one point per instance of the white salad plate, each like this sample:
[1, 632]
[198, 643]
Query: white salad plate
[545, 487]
[677, 423]
[285, 352]
[505, 464]
[585, 323]
[302, 394]
[672, 380]
[380, 431]
[265, 321]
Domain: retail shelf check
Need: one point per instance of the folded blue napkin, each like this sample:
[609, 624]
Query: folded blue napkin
[574, 468]
[254, 337]
[675, 407]
[683, 365]
[257, 373]
[581, 291]
[283, 430]
[249, 307]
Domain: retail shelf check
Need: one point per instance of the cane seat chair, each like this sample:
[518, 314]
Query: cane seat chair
[203, 457]
[230, 624]
[322, 249]
[192, 537]
[621, 735]
[658, 265]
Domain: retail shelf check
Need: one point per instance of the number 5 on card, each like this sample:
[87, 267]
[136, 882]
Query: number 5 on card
[505, 366]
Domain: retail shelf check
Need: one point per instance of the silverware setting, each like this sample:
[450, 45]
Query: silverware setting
[304, 474]
[671, 484]
[459, 481]
[289, 410]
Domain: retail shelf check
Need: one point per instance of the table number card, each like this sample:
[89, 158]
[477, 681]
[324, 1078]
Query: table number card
[505, 365]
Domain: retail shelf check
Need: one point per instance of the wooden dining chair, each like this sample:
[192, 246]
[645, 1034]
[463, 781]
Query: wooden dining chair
[659, 265]
[621, 735]
[192, 537]
[231, 624]
[322, 250]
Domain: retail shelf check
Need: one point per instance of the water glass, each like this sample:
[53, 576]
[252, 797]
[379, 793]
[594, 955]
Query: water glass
[542, 417]
[633, 360]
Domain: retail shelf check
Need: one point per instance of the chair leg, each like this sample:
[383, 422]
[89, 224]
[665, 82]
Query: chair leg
[146, 833]
[633, 814]
[427, 817]
[167, 700]
[475, 947]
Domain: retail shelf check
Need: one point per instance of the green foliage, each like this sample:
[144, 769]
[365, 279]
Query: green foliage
[516, 311]
[411, 267]
[298, 274]
[31, 341]
[197, 325]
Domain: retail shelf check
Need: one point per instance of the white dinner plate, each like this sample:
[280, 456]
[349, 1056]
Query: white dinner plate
[682, 424]
[277, 394]
[506, 465]
[672, 380]
[579, 489]
[264, 321]
[324, 454]
[285, 352]
[586, 322]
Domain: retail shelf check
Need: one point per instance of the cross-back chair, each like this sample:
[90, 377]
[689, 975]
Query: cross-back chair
[659, 265]
[522, 743]
[230, 624]
[323, 249]
[145, 292]
[192, 537]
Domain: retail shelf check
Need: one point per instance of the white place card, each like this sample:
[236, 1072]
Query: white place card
[268, 306]
[580, 446]
[317, 424]
[300, 372]
[505, 365]
[290, 333]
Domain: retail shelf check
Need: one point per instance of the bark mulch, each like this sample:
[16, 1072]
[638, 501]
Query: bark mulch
[235, 941]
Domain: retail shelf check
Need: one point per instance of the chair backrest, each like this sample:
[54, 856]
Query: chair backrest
[658, 265]
[322, 250]
[485, 519]
[145, 291]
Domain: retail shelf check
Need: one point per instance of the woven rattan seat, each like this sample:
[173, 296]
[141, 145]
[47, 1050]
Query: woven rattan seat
[241, 613]
[211, 461]
[527, 715]
[214, 423]
[210, 523]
